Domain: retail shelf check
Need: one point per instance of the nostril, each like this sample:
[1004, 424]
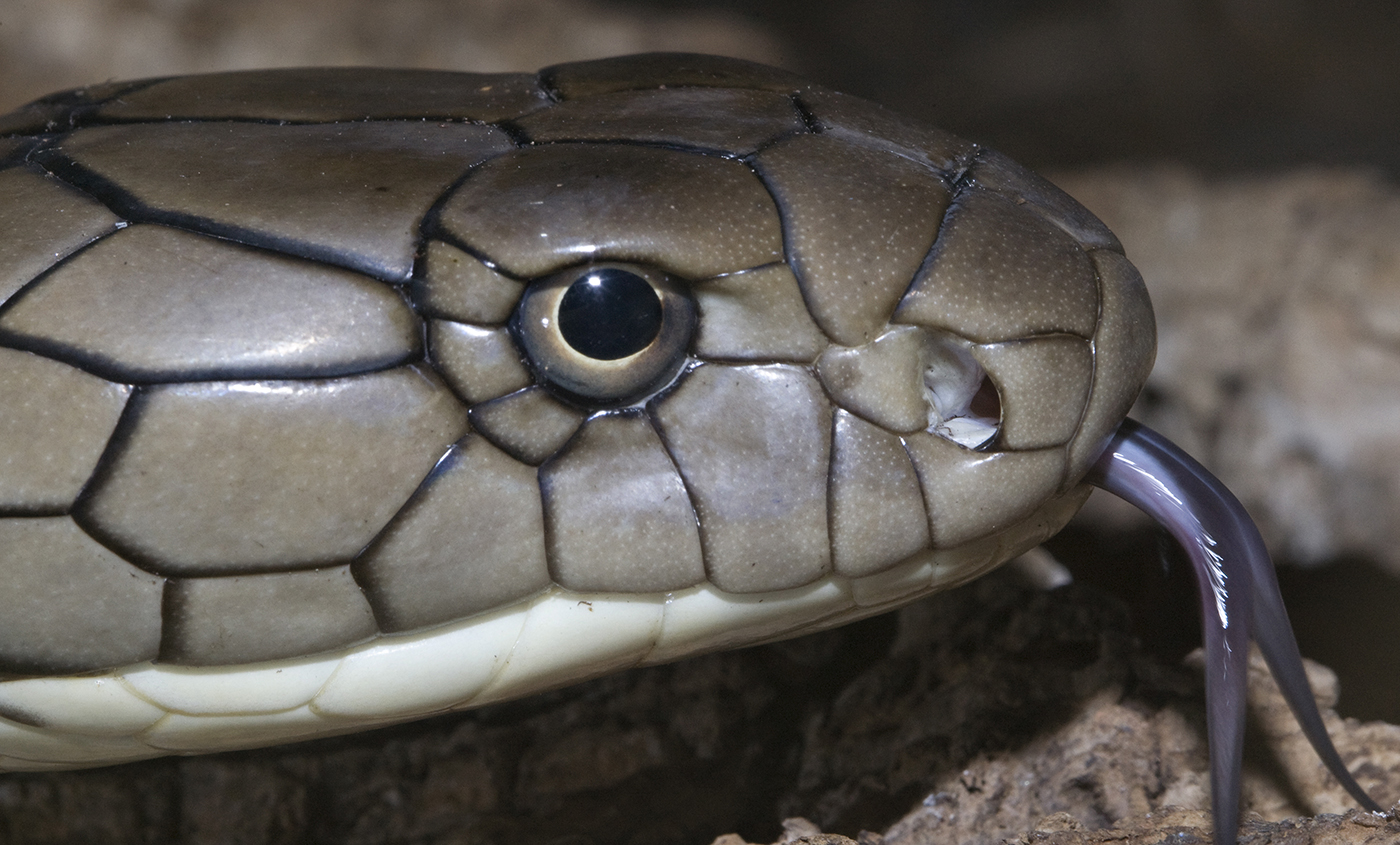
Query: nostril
[963, 403]
[986, 402]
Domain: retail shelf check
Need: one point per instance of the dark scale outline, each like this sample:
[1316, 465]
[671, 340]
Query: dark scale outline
[278, 121]
[429, 361]
[651, 409]
[50, 157]
[987, 378]
[442, 235]
[956, 191]
[1047, 211]
[649, 413]
[118, 444]
[96, 365]
[957, 187]
[70, 107]
[112, 369]
[39, 170]
[967, 183]
[430, 229]
[510, 450]
[804, 111]
[523, 138]
[919, 482]
[68, 509]
[93, 365]
[19, 154]
[1226, 706]
[831, 487]
[1065, 482]
[544, 80]
[778, 263]
[255, 121]
[169, 607]
[950, 177]
[789, 256]
[127, 206]
[692, 149]
[80, 111]
[512, 130]
[969, 187]
[6, 342]
[547, 75]
[367, 584]
[643, 413]
[171, 652]
[24, 289]
[789, 252]
[19, 668]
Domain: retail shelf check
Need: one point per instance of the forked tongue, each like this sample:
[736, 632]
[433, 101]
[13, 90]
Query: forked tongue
[1239, 599]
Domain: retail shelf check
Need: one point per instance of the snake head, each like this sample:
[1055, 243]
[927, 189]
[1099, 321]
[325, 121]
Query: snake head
[867, 339]
[344, 396]
[634, 328]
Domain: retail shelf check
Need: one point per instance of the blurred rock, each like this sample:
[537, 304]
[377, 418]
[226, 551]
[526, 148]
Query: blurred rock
[1278, 364]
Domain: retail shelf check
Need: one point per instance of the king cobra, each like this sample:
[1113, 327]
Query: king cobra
[332, 398]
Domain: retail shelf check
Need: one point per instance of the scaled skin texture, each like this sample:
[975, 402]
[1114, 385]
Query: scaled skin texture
[299, 339]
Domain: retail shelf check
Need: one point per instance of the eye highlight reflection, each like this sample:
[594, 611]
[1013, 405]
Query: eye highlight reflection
[606, 335]
[610, 313]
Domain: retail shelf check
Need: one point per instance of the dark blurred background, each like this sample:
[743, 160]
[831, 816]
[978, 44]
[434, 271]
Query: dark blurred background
[1224, 84]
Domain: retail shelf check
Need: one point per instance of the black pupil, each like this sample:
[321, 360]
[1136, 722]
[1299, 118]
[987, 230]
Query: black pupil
[609, 314]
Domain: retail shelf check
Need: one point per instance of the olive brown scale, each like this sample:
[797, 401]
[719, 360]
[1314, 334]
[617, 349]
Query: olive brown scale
[305, 426]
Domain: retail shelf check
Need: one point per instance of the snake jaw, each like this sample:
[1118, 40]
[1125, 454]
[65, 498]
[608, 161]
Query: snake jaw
[1239, 596]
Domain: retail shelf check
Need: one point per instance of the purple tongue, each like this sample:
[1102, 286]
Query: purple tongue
[1238, 590]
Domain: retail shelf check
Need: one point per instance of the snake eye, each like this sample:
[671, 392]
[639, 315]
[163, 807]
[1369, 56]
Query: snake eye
[605, 335]
[609, 313]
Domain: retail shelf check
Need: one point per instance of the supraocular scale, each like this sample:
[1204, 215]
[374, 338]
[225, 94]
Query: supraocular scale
[295, 438]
